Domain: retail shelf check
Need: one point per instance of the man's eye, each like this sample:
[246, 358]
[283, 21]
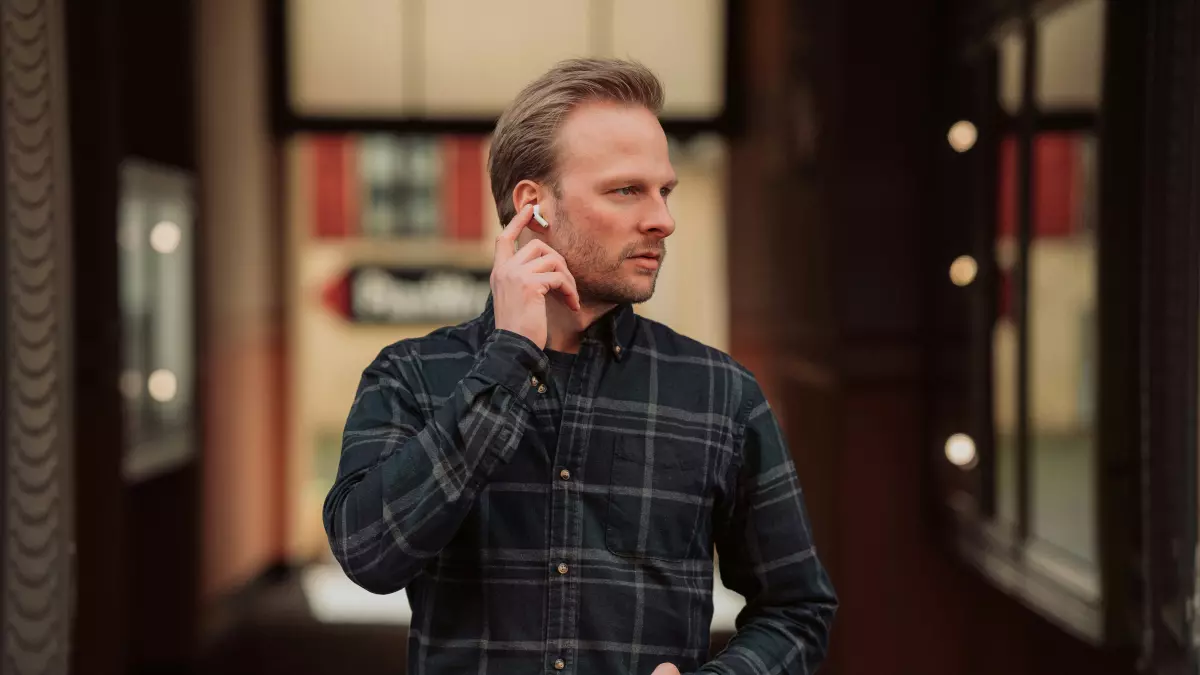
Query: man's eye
[627, 191]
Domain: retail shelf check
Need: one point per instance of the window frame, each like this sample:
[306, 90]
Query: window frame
[959, 379]
[1149, 348]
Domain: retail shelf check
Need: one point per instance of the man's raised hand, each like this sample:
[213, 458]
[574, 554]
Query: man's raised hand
[521, 279]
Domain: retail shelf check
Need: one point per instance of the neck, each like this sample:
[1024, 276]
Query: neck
[565, 327]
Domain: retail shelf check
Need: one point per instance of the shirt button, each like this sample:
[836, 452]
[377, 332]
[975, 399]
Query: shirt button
[564, 474]
[533, 381]
[541, 388]
[562, 568]
[559, 664]
[617, 350]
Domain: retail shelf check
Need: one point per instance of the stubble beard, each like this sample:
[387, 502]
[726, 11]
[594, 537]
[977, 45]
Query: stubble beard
[597, 274]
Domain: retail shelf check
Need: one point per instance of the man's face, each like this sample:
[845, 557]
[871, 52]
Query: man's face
[609, 216]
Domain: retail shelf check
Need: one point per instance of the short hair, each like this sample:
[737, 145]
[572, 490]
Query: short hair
[524, 141]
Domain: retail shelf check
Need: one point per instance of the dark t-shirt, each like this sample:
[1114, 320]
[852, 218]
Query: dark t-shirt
[560, 369]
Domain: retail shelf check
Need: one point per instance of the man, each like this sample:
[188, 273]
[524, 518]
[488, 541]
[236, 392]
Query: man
[548, 481]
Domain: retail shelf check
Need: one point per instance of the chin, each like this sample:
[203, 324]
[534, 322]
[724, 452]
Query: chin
[640, 292]
[631, 289]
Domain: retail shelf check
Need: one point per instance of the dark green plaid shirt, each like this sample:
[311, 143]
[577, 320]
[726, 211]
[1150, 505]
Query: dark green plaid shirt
[539, 530]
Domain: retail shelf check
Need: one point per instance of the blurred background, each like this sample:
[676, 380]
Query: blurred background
[956, 240]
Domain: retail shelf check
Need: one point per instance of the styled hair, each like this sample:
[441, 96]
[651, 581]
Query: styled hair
[524, 142]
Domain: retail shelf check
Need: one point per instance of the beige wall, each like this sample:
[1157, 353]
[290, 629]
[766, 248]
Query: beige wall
[330, 353]
[241, 481]
[692, 295]
[356, 57]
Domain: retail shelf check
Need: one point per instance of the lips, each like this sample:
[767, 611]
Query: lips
[647, 261]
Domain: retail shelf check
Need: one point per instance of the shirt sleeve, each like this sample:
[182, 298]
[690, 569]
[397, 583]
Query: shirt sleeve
[404, 483]
[766, 553]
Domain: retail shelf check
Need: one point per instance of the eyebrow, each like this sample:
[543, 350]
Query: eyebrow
[627, 180]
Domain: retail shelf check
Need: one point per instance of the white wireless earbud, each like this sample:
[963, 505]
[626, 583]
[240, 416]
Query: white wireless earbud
[537, 215]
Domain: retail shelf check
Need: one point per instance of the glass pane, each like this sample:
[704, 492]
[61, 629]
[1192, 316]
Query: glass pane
[468, 58]
[1005, 332]
[155, 237]
[1070, 56]
[1062, 350]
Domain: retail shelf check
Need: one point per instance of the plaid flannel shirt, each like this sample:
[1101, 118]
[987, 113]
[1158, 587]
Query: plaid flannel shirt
[538, 530]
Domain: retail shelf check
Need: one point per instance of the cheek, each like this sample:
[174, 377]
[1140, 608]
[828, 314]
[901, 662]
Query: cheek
[599, 223]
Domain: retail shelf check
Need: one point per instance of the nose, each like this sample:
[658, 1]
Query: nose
[658, 221]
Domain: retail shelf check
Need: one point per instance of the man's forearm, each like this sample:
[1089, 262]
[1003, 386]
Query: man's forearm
[791, 640]
[404, 486]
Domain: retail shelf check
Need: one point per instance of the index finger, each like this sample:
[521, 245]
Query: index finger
[507, 240]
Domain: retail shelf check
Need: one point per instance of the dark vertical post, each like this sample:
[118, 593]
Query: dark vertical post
[93, 54]
[1171, 310]
[1025, 186]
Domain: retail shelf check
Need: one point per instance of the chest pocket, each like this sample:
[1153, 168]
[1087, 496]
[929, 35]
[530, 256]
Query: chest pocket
[658, 498]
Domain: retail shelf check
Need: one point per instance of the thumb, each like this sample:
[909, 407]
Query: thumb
[666, 669]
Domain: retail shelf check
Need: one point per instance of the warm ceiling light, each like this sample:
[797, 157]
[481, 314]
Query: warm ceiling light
[962, 136]
[963, 270]
[162, 385]
[165, 237]
[960, 450]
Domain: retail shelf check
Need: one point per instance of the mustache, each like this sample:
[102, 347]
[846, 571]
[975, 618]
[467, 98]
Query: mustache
[658, 248]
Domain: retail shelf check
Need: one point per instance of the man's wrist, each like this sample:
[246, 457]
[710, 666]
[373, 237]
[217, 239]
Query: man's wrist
[514, 362]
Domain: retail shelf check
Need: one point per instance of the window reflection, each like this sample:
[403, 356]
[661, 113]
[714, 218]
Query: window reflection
[1062, 346]
[1030, 523]
[1057, 255]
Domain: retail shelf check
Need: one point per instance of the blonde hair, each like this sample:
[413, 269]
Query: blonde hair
[523, 144]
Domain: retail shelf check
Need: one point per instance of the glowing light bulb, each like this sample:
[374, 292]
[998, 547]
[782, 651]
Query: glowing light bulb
[962, 136]
[960, 450]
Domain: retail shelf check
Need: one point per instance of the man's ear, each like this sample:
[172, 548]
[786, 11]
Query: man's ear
[526, 193]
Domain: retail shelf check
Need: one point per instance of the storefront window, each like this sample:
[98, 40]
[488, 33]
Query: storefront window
[1032, 507]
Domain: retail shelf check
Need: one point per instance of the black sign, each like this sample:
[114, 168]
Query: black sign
[403, 296]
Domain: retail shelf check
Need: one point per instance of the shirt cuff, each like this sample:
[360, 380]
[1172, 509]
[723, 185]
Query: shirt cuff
[514, 362]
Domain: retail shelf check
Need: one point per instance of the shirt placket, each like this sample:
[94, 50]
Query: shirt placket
[565, 512]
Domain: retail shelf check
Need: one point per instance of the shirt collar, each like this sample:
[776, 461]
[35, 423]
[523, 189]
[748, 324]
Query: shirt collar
[615, 329]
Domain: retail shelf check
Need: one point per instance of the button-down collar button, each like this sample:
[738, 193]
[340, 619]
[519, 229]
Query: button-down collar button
[559, 664]
[562, 568]
[541, 388]
[564, 474]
